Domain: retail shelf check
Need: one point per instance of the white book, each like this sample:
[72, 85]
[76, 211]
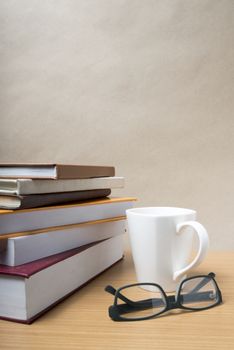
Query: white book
[31, 289]
[20, 250]
[24, 220]
[29, 186]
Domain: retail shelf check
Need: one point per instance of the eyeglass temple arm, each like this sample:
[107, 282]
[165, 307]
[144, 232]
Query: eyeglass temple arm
[140, 303]
[203, 282]
[113, 291]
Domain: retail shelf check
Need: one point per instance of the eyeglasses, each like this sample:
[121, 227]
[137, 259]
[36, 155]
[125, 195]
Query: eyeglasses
[141, 301]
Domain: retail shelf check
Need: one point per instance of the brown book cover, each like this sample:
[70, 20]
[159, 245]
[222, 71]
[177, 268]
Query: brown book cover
[54, 171]
[41, 200]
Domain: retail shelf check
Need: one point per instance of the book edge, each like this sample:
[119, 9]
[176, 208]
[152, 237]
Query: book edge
[41, 313]
[59, 228]
[61, 170]
[46, 262]
[84, 203]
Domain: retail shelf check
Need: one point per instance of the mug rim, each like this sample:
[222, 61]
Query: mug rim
[162, 211]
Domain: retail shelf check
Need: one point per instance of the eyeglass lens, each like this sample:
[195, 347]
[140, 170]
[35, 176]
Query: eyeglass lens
[143, 301]
[198, 293]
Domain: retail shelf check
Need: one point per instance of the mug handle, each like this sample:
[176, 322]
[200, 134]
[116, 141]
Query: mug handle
[203, 245]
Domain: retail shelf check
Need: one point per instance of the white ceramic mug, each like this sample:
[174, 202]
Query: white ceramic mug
[160, 248]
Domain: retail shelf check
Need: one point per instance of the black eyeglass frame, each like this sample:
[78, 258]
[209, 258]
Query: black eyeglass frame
[172, 301]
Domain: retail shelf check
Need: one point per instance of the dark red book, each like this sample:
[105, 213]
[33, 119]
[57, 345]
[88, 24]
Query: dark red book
[33, 288]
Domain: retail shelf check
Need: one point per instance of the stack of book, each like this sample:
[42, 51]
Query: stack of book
[58, 230]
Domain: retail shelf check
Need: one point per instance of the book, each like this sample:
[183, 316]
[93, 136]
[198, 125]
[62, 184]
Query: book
[54, 171]
[29, 186]
[39, 200]
[31, 220]
[20, 250]
[29, 290]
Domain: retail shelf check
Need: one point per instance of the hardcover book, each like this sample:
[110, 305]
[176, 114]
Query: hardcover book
[41, 200]
[54, 171]
[29, 290]
[29, 186]
[20, 250]
[14, 223]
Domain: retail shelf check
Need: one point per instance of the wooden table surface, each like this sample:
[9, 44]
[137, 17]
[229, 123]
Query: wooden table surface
[82, 322]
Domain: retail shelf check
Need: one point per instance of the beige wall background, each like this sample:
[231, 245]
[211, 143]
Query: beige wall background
[146, 86]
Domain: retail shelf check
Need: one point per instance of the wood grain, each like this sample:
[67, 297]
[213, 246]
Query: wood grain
[82, 321]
